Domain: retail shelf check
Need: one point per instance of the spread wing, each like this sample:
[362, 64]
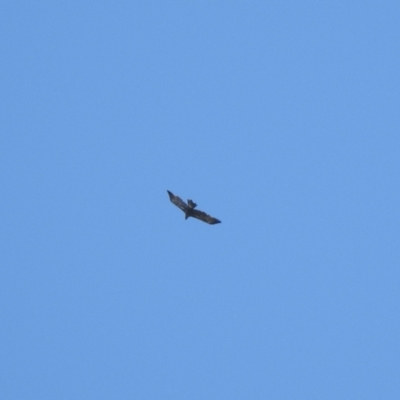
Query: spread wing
[204, 217]
[177, 201]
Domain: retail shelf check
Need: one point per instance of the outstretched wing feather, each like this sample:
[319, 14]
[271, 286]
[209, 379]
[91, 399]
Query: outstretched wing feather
[177, 201]
[201, 215]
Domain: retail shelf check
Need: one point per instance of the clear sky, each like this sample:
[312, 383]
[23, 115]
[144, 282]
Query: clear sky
[280, 118]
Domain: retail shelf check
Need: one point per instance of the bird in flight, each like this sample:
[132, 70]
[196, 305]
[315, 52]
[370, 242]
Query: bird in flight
[189, 210]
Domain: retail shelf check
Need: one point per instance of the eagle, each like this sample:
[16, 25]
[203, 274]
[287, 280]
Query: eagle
[189, 209]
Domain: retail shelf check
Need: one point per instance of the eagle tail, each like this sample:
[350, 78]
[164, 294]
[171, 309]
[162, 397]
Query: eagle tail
[192, 204]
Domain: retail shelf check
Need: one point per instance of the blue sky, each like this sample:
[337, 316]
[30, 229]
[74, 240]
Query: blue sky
[280, 118]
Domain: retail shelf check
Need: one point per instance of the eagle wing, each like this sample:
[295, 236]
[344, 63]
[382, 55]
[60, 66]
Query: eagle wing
[204, 217]
[177, 201]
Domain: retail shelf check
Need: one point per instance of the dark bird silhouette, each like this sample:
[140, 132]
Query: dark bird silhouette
[189, 210]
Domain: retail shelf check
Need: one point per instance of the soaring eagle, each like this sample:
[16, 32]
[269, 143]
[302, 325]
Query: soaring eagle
[189, 210]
